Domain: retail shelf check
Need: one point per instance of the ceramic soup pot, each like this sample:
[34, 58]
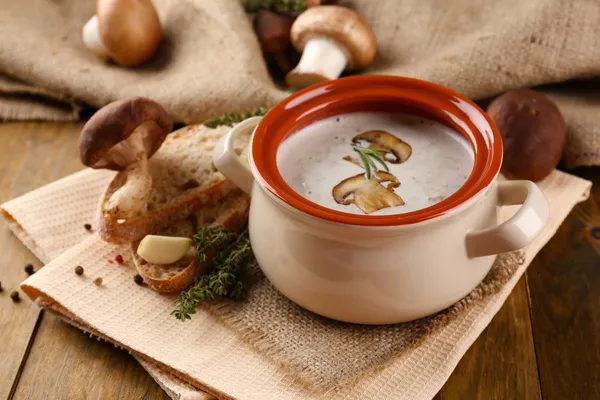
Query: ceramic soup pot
[379, 269]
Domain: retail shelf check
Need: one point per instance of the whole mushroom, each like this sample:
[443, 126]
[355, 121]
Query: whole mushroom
[126, 31]
[122, 136]
[533, 133]
[331, 39]
[273, 32]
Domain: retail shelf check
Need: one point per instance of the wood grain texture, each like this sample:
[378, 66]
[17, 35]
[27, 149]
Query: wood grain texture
[65, 363]
[564, 286]
[501, 363]
[32, 155]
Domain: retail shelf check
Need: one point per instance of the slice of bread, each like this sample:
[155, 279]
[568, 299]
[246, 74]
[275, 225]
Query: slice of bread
[178, 276]
[184, 179]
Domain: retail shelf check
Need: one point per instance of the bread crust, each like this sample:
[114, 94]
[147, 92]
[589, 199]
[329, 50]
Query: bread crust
[234, 218]
[125, 231]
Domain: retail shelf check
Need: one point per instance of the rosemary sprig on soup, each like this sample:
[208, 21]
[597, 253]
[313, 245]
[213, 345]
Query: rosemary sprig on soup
[367, 155]
[375, 163]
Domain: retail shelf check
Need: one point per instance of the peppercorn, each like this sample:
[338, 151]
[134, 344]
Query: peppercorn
[15, 296]
[98, 281]
[119, 259]
[87, 227]
[29, 269]
[79, 270]
[1, 290]
[138, 279]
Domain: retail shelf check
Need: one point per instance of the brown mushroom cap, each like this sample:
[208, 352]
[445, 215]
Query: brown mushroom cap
[533, 133]
[340, 24]
[273, 31]
[315, 3]
[129, 29]
[115, 122]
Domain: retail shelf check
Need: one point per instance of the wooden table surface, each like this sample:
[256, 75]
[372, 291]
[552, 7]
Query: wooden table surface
[544, 342]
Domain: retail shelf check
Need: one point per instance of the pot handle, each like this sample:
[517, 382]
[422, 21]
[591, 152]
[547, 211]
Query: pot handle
[520, 229]
[228, 162]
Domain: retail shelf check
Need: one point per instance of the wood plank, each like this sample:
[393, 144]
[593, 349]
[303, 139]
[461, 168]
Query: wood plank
[564, 286]
[34, 154]
[18, 174]
[64, 363]
[501, 363]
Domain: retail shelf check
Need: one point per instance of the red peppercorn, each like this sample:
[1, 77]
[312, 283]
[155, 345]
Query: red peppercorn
[119, 259]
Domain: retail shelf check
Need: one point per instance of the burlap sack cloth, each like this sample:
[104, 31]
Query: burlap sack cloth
[264, 347]
[210, 63]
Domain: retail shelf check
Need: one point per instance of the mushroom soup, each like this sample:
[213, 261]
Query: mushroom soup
[375, 163]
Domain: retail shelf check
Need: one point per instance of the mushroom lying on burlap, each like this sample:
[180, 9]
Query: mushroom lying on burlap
[273, 32]
[369, 195]
[122, 136]
[331, 39]
[398, 149]
[126, 31]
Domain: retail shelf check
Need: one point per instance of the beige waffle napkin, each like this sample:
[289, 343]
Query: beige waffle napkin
[203, 353]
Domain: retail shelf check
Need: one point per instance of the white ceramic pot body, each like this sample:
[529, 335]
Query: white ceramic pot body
[380, 274]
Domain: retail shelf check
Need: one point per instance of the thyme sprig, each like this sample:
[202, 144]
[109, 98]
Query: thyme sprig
[232, 118]
[282, 6]
[212, 238]
[369, 155]
[223, 280]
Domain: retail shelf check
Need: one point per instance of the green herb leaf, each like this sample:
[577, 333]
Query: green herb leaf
[282, 6]
[368, 154]
[211, 238]
[366, 164]
[232, 118]
[381, 161]
[225, 277]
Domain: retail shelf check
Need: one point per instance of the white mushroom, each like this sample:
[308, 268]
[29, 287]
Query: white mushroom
[331, 39]
[126, 31]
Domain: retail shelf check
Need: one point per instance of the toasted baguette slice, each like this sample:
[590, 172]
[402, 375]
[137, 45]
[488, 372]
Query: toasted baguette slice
[175, 277]
[184, 179]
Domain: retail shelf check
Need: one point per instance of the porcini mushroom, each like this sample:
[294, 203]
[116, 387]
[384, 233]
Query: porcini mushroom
[126, 31]
[533, 133]
[273, 32]
[331, 39]
[369, 195]
[315, 3]
[400, 150]
[122, 136]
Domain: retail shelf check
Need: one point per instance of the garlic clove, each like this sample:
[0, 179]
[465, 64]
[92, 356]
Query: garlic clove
[163, 249]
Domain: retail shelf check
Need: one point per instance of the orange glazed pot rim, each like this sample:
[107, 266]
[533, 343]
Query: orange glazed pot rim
[376, 93]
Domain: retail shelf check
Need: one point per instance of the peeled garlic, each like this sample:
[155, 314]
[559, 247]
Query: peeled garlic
[157, 249]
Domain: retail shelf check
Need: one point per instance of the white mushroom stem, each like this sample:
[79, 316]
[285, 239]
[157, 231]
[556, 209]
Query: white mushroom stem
[133, 196]
[322, 56]
[92, 40]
